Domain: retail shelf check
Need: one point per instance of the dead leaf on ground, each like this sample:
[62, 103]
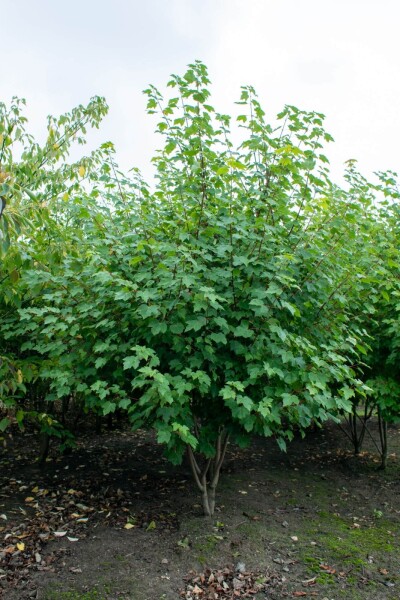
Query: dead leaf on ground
[328, 569]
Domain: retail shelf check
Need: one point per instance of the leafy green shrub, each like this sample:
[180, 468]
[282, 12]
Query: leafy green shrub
[227, 302]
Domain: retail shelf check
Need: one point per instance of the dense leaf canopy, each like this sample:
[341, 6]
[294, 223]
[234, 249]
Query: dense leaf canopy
[245, 293]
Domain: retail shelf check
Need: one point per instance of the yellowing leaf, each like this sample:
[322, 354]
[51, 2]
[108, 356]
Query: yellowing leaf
[81, 171]
[4, 176]
[129, 526]
[152, 525]
[65, 196]
[21, 546]
[14, 276]
[29, 499]
[35, 489]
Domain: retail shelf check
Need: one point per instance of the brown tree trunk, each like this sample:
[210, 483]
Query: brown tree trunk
[382, 424]
[207, 478]
[44, 447]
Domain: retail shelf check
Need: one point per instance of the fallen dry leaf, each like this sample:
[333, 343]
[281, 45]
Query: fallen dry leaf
[307, 582]
[197, 590]
[328, 569]
[75, 570]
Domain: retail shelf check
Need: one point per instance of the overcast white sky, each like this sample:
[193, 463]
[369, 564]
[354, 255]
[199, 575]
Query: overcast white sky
[339, 57]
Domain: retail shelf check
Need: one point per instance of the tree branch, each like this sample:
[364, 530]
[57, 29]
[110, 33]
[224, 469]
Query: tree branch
[195, 469]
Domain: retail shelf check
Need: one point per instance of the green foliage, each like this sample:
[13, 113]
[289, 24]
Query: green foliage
[40, 224]
[381, 308]
[385, 394]
[235, 297]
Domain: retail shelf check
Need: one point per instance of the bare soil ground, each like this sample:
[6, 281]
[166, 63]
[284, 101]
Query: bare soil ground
[115, 521]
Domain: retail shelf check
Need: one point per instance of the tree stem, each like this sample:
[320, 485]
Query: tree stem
[212, 467]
